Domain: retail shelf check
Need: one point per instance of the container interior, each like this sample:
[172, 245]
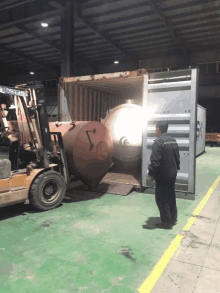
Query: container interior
[90, 99]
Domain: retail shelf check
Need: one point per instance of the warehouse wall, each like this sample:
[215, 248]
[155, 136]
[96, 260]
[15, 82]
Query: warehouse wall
[205, 56]
[122, 66]
[16, 79]
[44, 75]
[209, 92]
[151, 62]
[166, 61]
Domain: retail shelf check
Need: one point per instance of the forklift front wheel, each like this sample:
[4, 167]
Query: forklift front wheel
[47, 191]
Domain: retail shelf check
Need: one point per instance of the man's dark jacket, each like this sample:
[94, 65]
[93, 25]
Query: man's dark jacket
[165, 159]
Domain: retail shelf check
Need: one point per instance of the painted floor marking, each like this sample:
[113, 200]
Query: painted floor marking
[151, 280]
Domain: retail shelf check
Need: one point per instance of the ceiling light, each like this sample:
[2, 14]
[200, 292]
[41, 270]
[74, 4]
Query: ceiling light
[31, 72]
[116, 62]
[44, 24]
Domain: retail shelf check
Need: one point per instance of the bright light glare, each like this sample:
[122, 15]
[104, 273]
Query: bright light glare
[128, 124]
[44, 24]
[150, 111]
[31, 73]
[116, 62]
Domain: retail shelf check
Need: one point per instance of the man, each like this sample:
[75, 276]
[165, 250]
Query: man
[165, 161]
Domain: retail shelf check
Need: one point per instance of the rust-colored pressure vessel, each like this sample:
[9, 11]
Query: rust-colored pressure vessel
[124, 123]
[88, 149]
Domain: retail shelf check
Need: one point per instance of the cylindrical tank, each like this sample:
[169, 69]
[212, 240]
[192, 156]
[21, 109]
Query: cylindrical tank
[88, 149]
[124, 123]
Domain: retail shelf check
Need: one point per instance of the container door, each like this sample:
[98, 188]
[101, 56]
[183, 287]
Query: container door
[200, 131]
[172, 97]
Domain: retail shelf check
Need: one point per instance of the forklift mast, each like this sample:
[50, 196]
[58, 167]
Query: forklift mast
[38, 107]
[35, 146]
[43, 118]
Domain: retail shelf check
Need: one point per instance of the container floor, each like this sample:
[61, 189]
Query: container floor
[93, 242]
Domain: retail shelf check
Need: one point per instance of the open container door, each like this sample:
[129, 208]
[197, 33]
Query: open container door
[172, 97]
[201, 128]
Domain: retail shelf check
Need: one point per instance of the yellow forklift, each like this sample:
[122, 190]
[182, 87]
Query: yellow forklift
[32, 165]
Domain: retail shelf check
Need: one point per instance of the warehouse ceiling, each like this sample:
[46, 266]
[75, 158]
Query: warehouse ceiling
[105, 31]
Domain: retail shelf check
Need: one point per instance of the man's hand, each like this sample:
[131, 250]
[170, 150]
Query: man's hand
[150, 178]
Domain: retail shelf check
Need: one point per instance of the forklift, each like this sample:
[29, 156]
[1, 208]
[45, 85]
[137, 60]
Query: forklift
[33, 165]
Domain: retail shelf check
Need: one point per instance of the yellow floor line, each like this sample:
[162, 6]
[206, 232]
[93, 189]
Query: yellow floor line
[189, 224]
[151, 280]
[149, 283]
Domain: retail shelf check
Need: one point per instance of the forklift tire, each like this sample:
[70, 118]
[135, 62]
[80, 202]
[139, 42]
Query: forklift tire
[47, 191]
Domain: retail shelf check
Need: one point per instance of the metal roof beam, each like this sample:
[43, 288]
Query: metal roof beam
[18, 3]
[184, 5]
[51, 43]
[195, 13]
[156, 31]
[154, 41]
[120, 20]
[210, 7]
[29, 58]
[11, 35]
[146, 47]
[80, 18]
[214, 19]
[31, 11]
[202, 30]
[163, 19]
[125, 7]
[147, 38]
[205, 38]
[37, 36]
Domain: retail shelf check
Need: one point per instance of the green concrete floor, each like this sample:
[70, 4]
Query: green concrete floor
[91, 244]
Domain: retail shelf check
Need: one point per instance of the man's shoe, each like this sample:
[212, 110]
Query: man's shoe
[163, 226]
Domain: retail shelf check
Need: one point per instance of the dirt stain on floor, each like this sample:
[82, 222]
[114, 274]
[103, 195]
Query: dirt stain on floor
[47, 223]
[126, 252]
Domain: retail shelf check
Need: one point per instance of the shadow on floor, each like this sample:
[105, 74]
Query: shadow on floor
[73, 195]
[16, 210]
[25, 208]
[150, 223]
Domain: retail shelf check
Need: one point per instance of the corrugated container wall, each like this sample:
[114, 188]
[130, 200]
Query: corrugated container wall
[85, 103]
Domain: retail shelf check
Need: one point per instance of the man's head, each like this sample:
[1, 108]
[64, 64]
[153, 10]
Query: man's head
[161, 128]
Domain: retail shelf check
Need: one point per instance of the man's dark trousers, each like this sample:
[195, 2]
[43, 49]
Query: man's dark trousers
[166, 201]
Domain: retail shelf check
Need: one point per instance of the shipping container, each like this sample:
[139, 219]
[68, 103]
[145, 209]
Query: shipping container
[169, 96]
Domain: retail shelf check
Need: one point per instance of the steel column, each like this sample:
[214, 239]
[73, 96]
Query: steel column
[67, 40]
